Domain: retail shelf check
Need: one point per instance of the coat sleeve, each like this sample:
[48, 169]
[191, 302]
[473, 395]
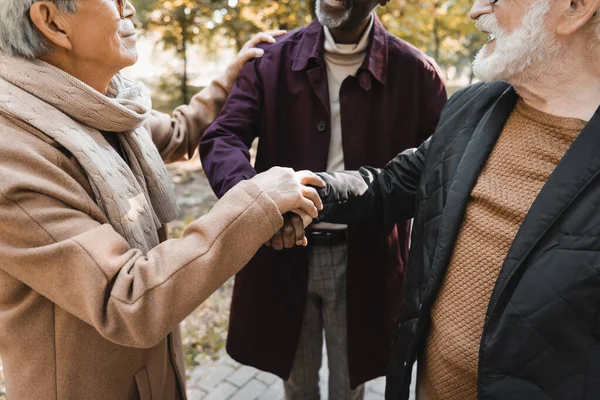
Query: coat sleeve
[374, 195]
[225, 146]
[388, 195]
[51, 243]
[177, 136]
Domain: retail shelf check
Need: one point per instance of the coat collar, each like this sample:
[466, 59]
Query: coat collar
[312, 47]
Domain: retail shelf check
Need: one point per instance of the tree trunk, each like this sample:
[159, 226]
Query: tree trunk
[313, 8]
[184, 75]
[436, 40]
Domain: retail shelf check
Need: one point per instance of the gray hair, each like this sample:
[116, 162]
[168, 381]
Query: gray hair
[18, 34]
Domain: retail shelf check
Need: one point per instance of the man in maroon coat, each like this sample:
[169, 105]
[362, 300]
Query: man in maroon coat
[337, 94]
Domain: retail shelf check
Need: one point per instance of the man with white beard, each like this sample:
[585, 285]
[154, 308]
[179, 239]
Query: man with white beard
[502, 300]
[336, 94]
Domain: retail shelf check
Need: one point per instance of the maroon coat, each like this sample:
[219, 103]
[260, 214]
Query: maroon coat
[393, 103]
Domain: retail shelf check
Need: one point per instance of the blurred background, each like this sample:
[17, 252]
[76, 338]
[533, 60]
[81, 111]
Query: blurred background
[184, 44]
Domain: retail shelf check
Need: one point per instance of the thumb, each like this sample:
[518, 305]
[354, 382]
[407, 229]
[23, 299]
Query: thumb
[249, 54]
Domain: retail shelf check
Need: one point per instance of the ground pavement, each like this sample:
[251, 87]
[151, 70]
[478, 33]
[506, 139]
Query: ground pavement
[228, 380]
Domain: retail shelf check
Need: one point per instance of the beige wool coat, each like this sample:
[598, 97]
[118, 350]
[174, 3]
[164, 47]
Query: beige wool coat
[83, 316]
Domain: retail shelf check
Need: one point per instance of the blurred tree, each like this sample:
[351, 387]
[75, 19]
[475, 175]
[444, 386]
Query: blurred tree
[441, 28]
[179, 23]
[214, 23]
[240, 19]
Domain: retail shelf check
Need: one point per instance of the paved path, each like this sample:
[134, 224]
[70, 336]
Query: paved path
[228, 380]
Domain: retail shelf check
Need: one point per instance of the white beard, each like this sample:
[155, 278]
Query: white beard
[527, 50]
[329, 22]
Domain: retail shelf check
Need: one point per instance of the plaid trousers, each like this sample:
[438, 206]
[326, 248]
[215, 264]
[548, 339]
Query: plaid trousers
[325, 310]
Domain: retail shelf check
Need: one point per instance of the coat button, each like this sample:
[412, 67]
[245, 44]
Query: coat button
[322, 126]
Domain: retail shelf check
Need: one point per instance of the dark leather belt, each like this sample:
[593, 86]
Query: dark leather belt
[327, 238]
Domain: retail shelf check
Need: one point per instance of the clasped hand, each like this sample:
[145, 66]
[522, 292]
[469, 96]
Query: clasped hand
[298, 202]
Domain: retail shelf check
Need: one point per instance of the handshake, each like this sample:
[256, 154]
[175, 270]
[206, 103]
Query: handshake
[297, 200]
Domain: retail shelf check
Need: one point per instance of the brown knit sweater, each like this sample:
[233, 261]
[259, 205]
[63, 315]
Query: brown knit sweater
[529, 148]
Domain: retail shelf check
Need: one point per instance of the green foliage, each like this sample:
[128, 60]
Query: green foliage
[240, 20]
[165, 94]
[204, 332]
[441, 28]
[179, 22]
[232, 21]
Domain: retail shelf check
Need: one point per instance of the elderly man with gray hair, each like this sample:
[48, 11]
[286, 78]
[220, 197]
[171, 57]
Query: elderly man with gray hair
[502, 298]
[90, 293]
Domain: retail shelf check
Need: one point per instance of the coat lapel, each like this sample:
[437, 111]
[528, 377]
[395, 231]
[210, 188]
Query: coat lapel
[577, 169]
[476, 154]
[317, 77]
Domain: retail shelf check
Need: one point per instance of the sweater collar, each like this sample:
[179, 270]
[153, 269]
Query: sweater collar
[311, 47]
[331, 47]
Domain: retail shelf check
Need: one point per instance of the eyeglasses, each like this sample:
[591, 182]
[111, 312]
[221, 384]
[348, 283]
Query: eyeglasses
[121, 5]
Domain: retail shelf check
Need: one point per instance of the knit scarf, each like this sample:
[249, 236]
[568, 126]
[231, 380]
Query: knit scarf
[136, 197]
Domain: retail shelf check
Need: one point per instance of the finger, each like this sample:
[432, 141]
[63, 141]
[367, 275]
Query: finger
[313, 195]
[276, 33]
[308, 207]
[267, 244]
[298, 223]
[259, 38]
[288, 233]
[248, 55]
[306, 219]
[310, 178]
[277, 241]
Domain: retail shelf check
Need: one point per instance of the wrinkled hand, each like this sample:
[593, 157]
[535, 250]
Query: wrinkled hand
[250, 51]
[290, 191]
[292, 234]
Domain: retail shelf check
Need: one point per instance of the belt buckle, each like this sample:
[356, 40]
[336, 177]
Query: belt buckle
[327, 238]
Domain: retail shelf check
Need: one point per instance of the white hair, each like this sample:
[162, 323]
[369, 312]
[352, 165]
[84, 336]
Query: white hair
[18, 34]
[329, 22]
[516, 53]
